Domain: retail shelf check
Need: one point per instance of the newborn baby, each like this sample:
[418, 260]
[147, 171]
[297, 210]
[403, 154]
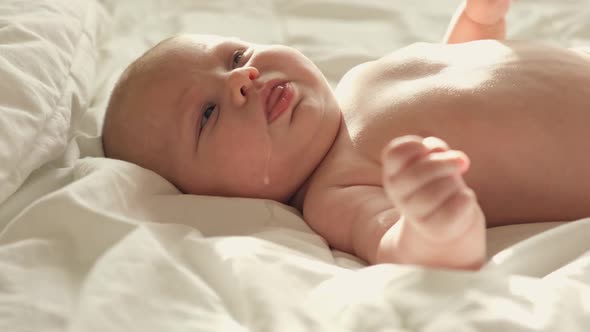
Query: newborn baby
[379, 166]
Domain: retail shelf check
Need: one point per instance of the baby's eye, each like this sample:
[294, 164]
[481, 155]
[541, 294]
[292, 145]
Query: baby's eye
[208, 111]
[237, 57]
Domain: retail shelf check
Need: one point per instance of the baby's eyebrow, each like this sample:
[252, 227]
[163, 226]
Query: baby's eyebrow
[227, 46]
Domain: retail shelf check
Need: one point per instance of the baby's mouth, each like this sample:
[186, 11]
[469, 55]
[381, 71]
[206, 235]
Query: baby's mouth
[279, 98]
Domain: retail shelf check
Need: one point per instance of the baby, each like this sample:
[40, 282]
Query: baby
[370, 165]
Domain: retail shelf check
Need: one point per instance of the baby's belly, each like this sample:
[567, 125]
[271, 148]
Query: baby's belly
[525, 129]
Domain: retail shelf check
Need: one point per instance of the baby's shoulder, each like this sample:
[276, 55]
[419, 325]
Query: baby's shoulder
[411, 62]
[355, 77]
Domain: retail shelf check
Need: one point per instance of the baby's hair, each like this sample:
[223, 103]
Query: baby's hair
[116, 139]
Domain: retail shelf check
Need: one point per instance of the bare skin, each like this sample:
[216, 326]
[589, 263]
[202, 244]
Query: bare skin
[527, 153]
[409, 161]
[518, 110]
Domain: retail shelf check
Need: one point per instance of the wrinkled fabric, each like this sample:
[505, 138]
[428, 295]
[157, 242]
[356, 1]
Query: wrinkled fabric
[92, 244]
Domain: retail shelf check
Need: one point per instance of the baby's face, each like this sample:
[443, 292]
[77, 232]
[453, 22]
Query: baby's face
[236, 118]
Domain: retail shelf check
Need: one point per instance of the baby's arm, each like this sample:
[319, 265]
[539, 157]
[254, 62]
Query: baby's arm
[478, 19]
[424, 214]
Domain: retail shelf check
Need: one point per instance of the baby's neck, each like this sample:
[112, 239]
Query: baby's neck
[297, 200]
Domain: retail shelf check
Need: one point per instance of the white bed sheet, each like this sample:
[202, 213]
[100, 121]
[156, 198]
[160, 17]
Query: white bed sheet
[91, 244]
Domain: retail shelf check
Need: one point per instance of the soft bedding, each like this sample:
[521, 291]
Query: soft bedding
[47, 63]
[92, 244]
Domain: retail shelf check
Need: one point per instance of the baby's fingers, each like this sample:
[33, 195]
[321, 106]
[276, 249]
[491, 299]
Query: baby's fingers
[403, 184]
[435, 144]
[424, 201]
[403, 150]
[452, 217]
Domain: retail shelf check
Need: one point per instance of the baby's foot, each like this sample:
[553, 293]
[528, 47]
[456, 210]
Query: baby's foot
[487, 12]
[422, 177]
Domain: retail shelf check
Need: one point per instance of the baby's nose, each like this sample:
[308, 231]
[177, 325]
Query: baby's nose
[240, 81]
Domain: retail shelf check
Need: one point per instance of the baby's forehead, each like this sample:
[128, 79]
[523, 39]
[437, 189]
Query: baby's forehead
[178, 63]
[203, 38]
[186, 56]
[204, 43]
[177, 53]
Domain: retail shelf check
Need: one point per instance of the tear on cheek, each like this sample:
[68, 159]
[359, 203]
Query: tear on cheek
[266, 178]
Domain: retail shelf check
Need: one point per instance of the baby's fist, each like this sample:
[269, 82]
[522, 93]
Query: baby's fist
[422, 177]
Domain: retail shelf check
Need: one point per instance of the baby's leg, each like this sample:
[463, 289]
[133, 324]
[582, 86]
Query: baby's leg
[442, 224]
[478, 19]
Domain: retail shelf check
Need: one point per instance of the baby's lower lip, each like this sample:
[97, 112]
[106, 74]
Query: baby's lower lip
[283, 101]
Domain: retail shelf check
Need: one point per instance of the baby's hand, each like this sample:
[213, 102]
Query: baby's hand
[423, 179]
[487, 12]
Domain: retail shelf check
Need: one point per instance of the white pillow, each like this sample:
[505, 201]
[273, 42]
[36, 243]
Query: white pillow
[47, 64]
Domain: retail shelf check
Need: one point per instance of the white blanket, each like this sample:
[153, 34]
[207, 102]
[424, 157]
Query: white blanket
[91, 244]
